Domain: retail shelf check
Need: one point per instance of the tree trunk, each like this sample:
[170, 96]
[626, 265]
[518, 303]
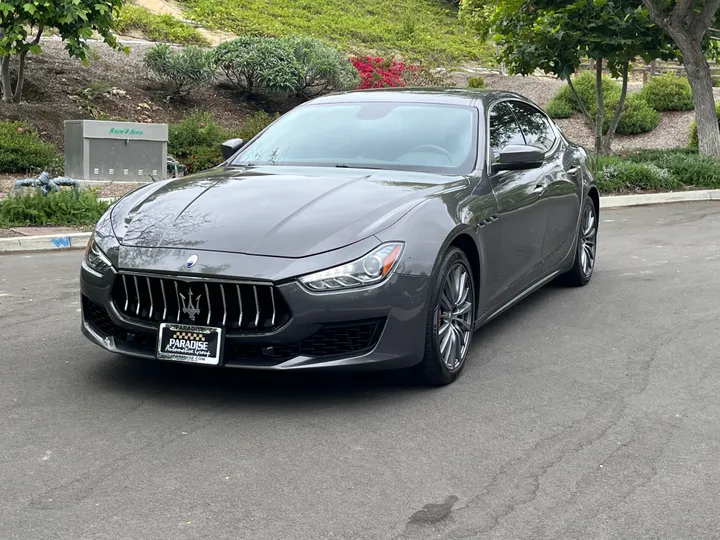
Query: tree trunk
[600, 114]
[687, 27]
[20, 78]
[5, 78]
[583, 109]
[17, 95]
[700, 78]
[607, 142]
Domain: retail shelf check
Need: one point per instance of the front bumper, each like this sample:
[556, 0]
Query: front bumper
[377, 328]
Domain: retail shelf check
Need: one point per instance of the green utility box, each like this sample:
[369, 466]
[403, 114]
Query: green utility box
[115, 151]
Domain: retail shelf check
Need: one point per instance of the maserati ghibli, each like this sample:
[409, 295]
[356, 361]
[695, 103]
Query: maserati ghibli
[373, 229]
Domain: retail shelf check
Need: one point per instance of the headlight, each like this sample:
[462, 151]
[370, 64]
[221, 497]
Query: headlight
[95, 259]
[368, 270]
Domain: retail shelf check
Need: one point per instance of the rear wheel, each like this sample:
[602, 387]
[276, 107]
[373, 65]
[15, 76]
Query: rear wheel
[450, 323]
[586, 250]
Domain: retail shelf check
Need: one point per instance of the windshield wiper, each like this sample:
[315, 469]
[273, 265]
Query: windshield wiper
[346, 166]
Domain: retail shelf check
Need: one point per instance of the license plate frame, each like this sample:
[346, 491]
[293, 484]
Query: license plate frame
[189, 338]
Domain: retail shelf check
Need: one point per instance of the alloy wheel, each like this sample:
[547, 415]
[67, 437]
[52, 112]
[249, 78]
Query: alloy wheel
[455, 317]
[588, 240]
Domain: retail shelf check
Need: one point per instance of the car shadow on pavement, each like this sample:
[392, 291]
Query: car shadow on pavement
[205, 385]
[208, 386]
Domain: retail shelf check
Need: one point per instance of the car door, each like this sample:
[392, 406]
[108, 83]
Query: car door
[519, 196]
[562, 192]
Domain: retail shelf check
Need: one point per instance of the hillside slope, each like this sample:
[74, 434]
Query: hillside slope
[419, 29]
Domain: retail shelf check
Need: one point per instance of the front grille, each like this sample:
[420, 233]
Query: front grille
[341, 339]
[234, 306]
[97, 318]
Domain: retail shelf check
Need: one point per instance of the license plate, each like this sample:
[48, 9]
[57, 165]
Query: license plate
[193, 344]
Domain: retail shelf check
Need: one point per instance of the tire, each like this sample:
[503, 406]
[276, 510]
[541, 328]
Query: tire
[585, 249]
[442, 324]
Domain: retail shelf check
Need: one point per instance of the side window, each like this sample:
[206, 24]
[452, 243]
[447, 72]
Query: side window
[535, 126]
[504, 128]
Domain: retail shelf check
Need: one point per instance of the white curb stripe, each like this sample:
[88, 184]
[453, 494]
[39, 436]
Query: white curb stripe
[52, 242]
[617, 201]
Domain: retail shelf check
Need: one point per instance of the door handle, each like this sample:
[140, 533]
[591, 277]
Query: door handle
[572, 171]
[540, 187]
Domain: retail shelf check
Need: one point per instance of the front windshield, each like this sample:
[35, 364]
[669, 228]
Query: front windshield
[436, 138]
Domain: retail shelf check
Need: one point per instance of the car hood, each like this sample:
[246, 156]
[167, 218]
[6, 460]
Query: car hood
[275, 211]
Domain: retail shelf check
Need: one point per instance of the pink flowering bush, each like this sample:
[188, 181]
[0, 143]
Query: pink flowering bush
[377, 72]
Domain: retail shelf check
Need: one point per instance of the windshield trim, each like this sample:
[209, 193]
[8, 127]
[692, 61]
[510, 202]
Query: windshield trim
[465, 168]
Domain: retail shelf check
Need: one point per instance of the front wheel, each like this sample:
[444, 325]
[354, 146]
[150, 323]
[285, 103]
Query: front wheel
[586, 250]
[451, 320]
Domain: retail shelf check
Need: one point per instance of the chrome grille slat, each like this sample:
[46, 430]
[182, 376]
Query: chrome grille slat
[272, 299]
[257, 306]
[127, 294]
[241, 307]
[222, 293]
[207, 297]
[151, 298]
[162, 288]
[137, 291]
[177, 294]
[148, 300]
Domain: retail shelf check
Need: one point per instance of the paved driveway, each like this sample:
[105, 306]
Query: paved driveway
[583, 413]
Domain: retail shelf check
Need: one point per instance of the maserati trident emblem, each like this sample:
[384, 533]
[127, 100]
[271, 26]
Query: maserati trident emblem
[192, 261]
[188, 308]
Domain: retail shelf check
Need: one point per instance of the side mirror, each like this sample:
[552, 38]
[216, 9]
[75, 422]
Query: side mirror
[229, 148]
[517, 157]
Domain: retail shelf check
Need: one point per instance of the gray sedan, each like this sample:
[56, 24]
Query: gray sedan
[363, 230]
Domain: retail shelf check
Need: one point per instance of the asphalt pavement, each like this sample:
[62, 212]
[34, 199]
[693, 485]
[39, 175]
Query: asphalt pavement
[589, 413]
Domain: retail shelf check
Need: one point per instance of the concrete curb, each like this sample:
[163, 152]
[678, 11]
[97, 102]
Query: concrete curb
[80, 240]
[50, 242]
[618, 201]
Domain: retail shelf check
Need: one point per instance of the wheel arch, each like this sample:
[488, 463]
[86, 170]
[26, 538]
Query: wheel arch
[595, 196]
[464, 242]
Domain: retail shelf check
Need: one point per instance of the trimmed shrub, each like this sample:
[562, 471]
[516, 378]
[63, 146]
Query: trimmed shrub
[323, 67]
[585, 87]
[694, 131]
[259, 65]
[64, 207]
[158, 27]
[254, 124]
[668, 92]
[196, 141]
[476, 82]
[658, 170]
[690, 168]
[622, 176]
[637, 116]
[559, 108]
[23, 151]
[181, 71]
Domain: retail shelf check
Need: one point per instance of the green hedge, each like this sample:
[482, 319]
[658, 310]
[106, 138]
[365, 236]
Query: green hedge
[658, 170]
[23, 151]
[668, 92]
[196, 140]
[66, 207]
[637, 116]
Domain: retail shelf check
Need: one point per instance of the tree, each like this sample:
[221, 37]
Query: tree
[555, 35]
[23, 22]
[687, 23]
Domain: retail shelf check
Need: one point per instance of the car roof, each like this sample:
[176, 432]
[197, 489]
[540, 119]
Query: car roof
[456, 96]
